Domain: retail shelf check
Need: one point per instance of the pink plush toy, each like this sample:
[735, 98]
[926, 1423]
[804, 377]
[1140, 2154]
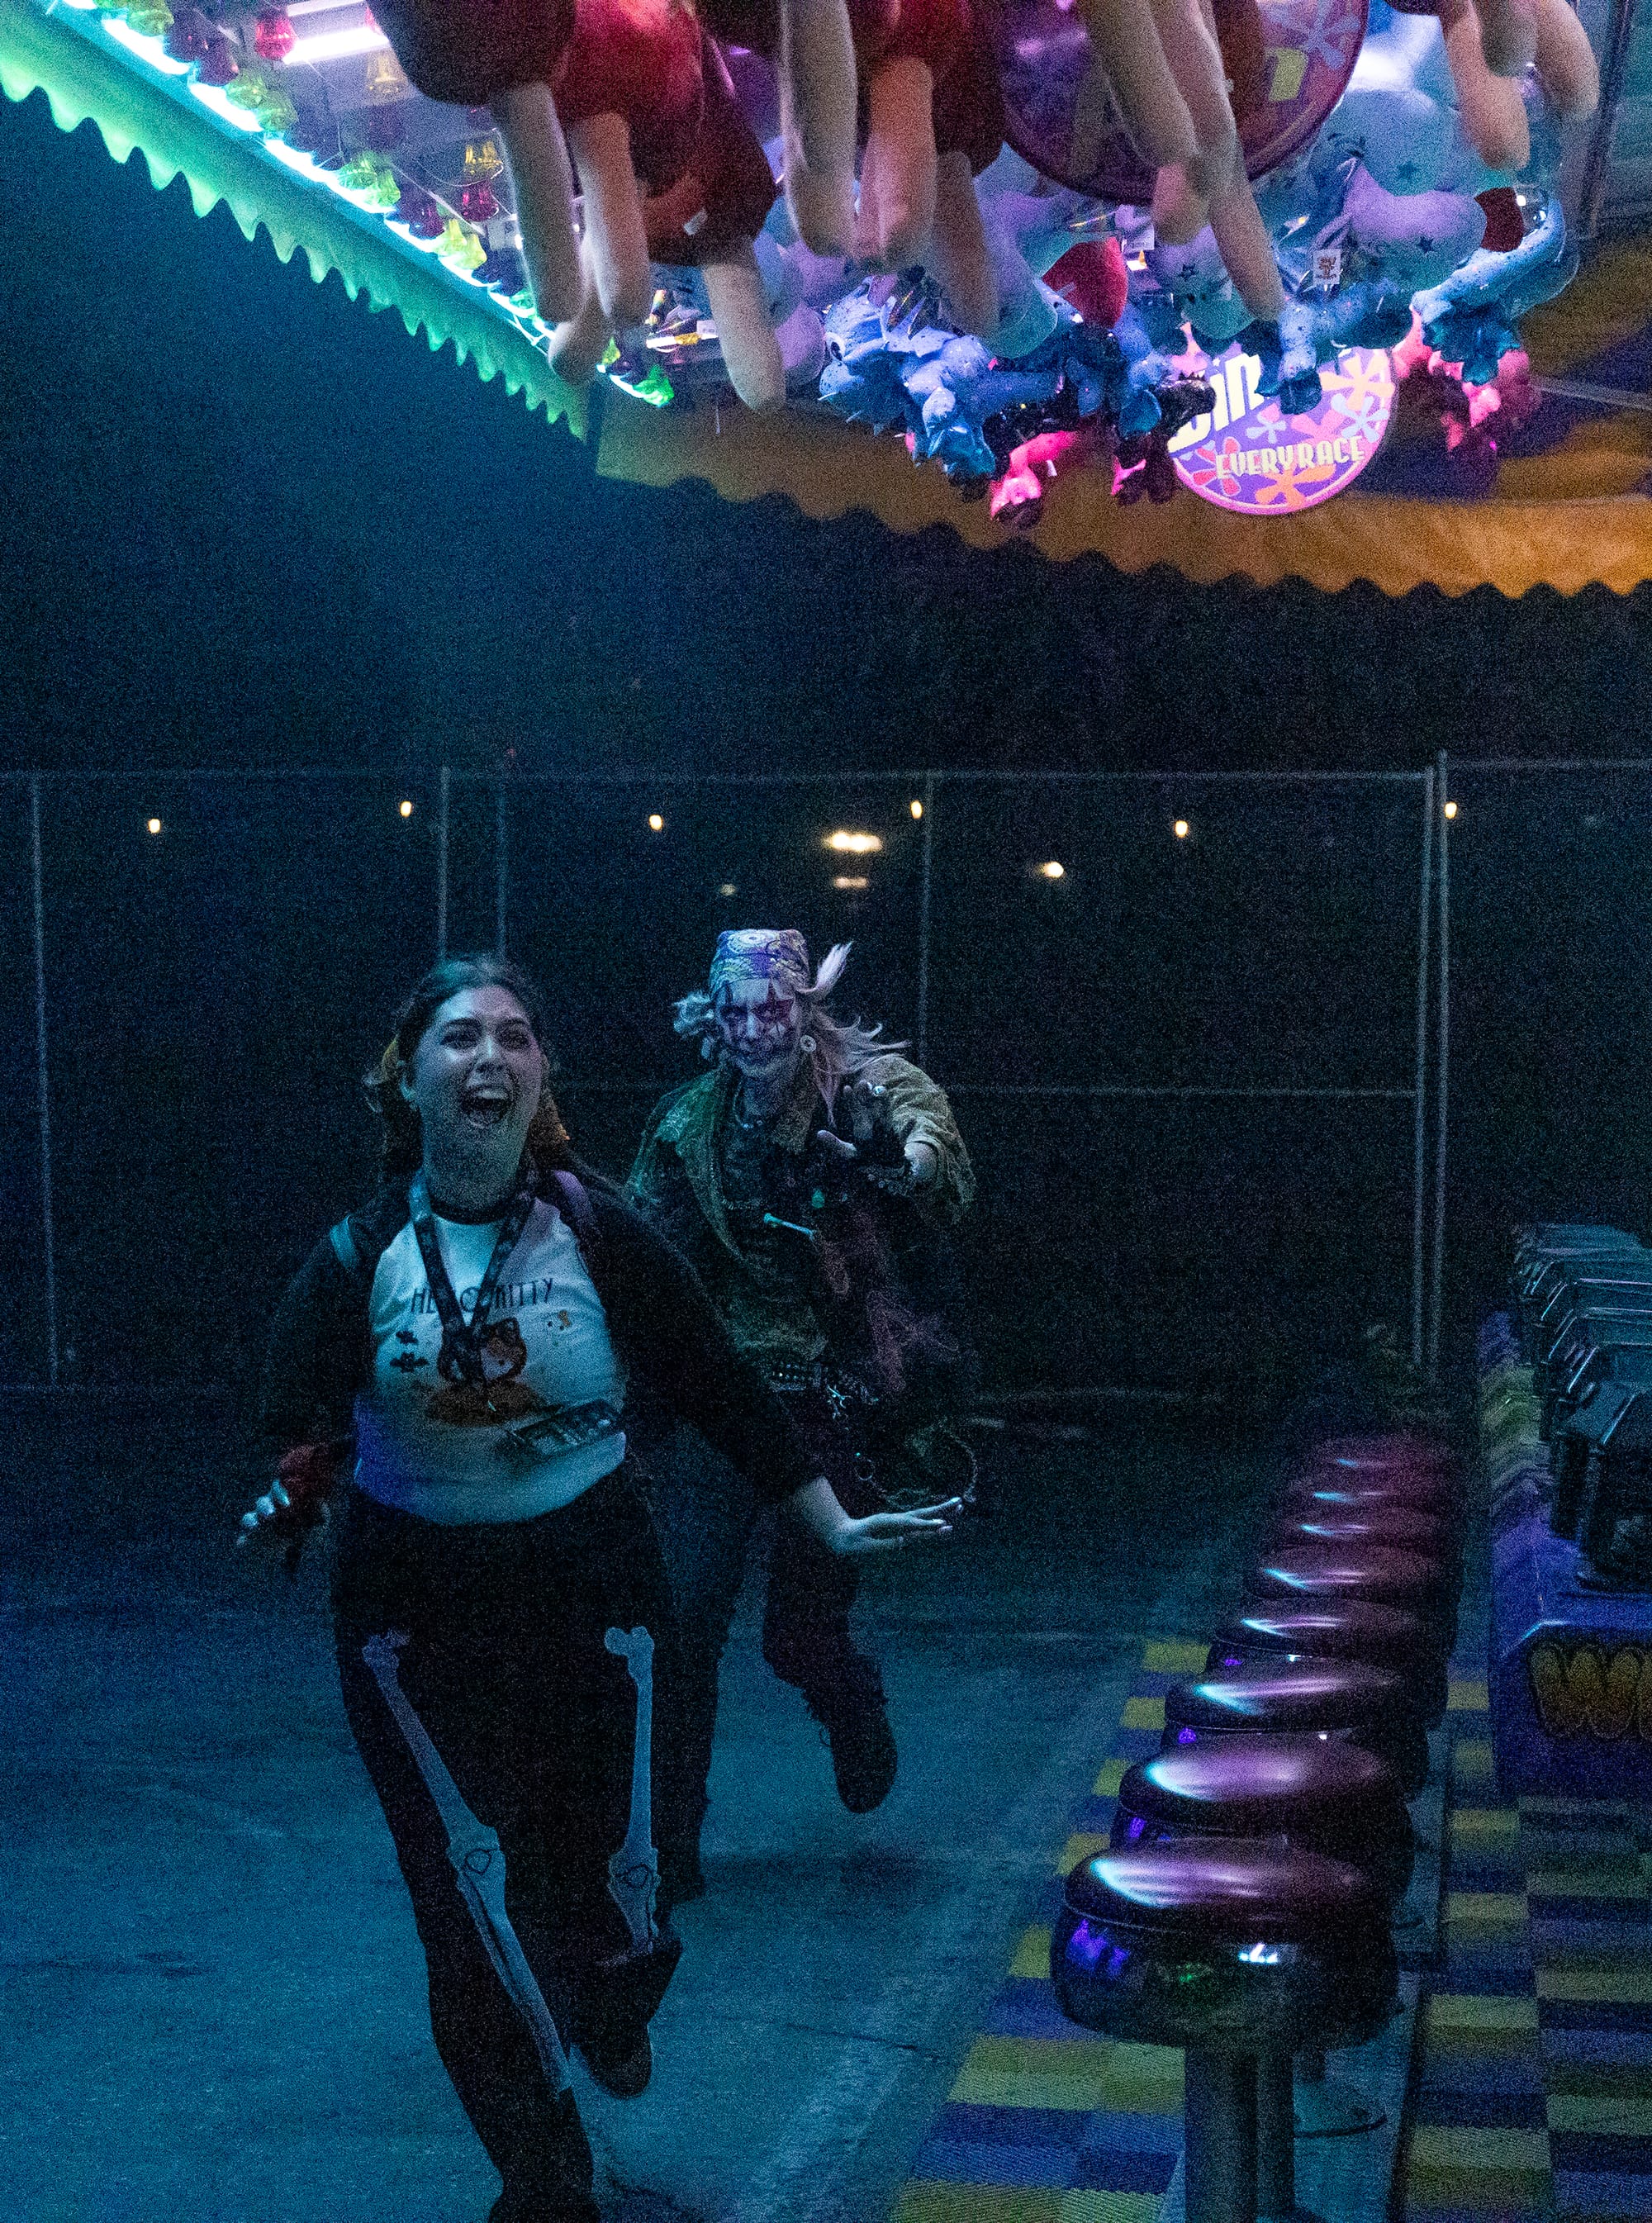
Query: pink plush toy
[1018, 497]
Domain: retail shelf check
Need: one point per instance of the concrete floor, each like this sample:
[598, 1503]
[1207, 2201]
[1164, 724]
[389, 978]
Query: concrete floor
[211, 2003]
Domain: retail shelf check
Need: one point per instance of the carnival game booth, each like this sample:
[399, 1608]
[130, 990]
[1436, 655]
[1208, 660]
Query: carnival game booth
[1271, 287]
[1566, 1411]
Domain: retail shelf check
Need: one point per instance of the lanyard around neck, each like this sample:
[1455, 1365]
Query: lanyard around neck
[460, 1355]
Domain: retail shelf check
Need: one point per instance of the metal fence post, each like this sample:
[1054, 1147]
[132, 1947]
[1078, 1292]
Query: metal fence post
[923, 917]
[500, 868]
[47, 1231]
[1442, 1072]
[1425, 908]
[442, 864]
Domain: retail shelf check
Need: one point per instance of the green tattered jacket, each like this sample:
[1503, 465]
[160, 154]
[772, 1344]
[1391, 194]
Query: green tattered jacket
[676, 1182]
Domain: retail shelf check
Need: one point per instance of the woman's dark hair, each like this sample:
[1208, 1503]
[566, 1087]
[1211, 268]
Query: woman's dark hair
[403, 1141]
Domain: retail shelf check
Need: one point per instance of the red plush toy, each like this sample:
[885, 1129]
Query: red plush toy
[707, 220]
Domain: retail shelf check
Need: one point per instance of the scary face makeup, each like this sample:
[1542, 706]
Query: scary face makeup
[760, 1027]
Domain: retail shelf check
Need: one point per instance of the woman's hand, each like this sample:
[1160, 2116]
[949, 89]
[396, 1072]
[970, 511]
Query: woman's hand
[821, 1509]
[296, 1501]
[892, 1532]
[275, 1514]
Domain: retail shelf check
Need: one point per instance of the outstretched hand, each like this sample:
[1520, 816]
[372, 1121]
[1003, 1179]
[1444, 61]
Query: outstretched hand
[275, 1515]
[897, 1163]
[296, 1501]
[892, 1532]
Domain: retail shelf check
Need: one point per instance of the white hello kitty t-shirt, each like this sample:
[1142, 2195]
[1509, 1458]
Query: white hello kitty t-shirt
[454, 1451]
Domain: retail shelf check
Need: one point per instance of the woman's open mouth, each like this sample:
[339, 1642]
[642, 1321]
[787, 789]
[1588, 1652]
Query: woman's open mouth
[485, 1107]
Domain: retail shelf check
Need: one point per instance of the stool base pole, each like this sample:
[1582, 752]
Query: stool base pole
[1328, 2108]
[1276, 2137]
[1219, 2138]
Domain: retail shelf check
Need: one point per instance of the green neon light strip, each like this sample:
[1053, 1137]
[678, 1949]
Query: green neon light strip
[84, 76]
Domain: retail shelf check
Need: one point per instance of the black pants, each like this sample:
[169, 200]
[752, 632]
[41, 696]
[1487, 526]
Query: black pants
[535, 1718]
[707, 1515]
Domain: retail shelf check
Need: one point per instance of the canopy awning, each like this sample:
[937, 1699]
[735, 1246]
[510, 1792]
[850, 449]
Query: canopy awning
[1567, 512]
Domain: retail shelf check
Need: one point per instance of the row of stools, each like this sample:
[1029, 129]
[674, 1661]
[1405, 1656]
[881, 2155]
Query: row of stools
[1258, 1866]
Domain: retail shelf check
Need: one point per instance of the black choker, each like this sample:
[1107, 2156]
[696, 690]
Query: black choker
[483, 1216]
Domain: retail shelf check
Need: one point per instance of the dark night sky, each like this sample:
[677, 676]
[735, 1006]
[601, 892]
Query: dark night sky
[248, 521]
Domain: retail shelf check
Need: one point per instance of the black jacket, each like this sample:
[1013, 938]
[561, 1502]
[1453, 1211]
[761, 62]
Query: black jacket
[665, 1333]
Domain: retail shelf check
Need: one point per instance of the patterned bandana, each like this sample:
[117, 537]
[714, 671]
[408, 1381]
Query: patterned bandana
[777, 953]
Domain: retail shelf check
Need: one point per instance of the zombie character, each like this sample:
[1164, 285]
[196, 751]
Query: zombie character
[499, 1602]
[809, 1178]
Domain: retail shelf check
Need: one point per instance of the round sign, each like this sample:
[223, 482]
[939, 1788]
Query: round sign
[1289, 62]
[1245, 453]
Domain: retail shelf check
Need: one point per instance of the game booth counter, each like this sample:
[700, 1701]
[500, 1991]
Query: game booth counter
[1385, 317]
[1566, 1405]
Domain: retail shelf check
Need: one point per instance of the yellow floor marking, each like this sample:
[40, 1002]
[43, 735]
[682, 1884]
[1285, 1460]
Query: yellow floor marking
[1622, 1987]
[1479, 2012]
[1468, 1696]
[1142, 1714]
[1485, 1906]
[1449, 2146]
[1486, 1821]
[928, 2203]
[1082, 1845]
[1107, 1783]
[1174, 1659]
[1034, 2072]
[1110, 2207]
[1622, 2117]
[1032, 1954]
[1621, 1879]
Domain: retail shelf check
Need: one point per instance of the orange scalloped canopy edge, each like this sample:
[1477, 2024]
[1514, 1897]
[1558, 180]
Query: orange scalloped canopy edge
[1570, 515]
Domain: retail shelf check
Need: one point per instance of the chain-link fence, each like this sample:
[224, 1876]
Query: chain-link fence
[1187, 1022]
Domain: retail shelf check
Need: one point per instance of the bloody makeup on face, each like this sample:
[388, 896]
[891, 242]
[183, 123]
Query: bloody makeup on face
[758, 1024]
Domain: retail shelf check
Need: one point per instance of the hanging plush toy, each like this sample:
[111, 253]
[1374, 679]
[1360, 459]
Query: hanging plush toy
[506, 54]
[707, 220]
[630, 95]
[1490, 44]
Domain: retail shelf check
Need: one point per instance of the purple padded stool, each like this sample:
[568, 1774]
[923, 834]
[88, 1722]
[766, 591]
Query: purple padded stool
[1336, 1799]
[1342, 1698]
[1379, 1574]
[1396, 1525]
[1375, 1456]
[1347, 1494]
[1239, 1953]
[1380, 1634]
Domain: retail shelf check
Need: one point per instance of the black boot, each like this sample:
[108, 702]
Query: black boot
[856, 1726]
[530, 2207]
